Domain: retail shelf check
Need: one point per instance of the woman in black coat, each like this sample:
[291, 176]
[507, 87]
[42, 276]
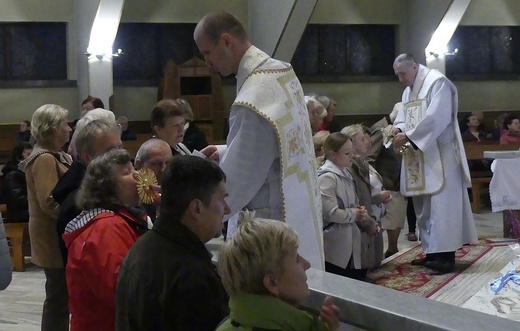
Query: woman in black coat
[15, 185]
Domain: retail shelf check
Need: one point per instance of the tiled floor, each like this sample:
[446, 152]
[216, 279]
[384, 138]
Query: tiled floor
[21, 302]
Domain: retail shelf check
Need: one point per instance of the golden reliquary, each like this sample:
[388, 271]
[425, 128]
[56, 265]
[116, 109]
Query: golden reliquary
[145, 179]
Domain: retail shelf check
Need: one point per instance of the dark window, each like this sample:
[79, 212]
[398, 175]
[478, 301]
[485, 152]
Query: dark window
[484, 51]
[147, 47]
[340, 50]
[33, 51]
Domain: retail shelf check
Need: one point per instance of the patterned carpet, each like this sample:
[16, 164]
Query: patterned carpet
[400, 275]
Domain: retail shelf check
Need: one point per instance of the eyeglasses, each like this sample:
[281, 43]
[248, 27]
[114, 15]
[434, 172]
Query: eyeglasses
[181, 126]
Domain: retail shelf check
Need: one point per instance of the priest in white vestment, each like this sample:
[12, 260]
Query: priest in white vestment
[434, 171]
[269, 156]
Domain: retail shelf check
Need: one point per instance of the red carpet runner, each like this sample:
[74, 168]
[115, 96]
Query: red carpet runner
[400, 275]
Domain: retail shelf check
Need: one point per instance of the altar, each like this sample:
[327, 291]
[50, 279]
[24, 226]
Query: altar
[504, 189]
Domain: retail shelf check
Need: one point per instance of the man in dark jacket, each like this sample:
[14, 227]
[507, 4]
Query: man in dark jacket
[167, 281]
[94, 139]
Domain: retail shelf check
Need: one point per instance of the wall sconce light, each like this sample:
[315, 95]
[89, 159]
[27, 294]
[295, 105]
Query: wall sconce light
[101, 56]
[445, 53]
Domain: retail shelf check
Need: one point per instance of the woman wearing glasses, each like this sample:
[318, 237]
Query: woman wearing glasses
[169, 123]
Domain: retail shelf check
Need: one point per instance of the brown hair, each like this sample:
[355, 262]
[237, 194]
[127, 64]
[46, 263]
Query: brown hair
[96, 102]
[99, 186]
[165, 109]
[334, 142]
[216, 23]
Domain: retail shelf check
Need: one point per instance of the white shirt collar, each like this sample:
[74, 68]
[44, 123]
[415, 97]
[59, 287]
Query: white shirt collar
[249, 62]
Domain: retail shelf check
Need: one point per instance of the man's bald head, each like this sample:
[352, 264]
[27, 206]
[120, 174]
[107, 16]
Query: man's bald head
[153, 154]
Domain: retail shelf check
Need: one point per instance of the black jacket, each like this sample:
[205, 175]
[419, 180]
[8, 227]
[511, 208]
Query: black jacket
[194, 138]
[15, 194]
[65, 194]
[168, 282]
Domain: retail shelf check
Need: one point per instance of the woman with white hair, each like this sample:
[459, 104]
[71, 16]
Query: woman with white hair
[265, 278]
[44, 166]
[316, 112]
[91, 115]
[328, 122]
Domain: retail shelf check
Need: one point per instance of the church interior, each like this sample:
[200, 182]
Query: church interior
[132, 53]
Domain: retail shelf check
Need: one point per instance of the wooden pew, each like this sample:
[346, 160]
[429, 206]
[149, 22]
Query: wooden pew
[19, 243]
[480, 179]
[6, 146]
[132, 146]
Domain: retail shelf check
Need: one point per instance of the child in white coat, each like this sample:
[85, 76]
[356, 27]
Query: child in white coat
[343, 218]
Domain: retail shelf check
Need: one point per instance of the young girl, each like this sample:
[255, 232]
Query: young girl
[343, 218]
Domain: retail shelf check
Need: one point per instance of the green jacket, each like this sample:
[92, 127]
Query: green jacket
[263, 312]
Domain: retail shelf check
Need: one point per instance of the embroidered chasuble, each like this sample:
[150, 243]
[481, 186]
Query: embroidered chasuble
[423, 170]
[273, 91]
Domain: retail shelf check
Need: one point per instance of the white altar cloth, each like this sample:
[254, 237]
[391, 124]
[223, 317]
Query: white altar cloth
[504, 189]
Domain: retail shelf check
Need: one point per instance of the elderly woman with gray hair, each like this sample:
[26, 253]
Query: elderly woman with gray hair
[43, 168]
[99, 238]
[316, 113]
[265, 278]
[328, 122]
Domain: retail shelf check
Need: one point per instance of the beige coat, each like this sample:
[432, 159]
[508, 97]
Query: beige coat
[42, 171]
[341, 235]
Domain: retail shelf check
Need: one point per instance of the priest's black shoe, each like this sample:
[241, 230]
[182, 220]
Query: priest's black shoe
[442, 266]
[421, 261]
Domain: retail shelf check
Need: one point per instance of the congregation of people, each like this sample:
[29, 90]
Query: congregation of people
[115, 262]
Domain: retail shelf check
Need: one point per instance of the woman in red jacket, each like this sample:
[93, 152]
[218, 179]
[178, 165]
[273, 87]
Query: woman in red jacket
[99, 238]
[511, 135]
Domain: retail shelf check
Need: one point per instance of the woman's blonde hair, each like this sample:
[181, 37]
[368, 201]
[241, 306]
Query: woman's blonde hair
[46, 120]
[257, 248]
[353, 130]
[318, 140]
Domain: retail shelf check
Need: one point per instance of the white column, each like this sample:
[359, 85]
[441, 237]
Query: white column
[276, 26]
[437, 47]
[85, 11]
[95, 74]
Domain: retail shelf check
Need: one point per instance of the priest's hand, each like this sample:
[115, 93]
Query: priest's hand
[399, 140]
[329, 314]
[211, 152]
[392, 129]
